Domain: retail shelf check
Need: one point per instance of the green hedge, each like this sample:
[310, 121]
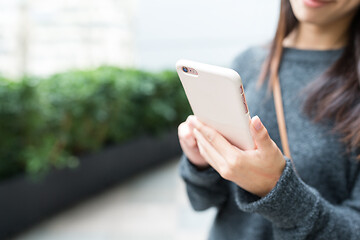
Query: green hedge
[47, 122]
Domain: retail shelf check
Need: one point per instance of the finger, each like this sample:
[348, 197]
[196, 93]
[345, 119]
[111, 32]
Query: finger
[208, 152]
[188, 119]
[186, 135]
[222, 146]
[260, 134]
[188, 148]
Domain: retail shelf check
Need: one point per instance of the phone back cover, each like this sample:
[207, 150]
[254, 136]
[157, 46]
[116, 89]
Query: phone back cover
[215, 98]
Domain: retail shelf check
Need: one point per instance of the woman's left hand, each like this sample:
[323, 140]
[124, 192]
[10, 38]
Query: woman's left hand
[257, 171]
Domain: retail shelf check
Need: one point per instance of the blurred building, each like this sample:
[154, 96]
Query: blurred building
[42, 37]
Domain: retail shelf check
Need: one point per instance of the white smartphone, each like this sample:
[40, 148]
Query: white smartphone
[216, 96]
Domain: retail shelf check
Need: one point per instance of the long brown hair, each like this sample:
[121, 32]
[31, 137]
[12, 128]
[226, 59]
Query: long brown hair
[336, 94]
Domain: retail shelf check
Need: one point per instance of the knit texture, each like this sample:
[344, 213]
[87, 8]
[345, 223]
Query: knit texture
[322, 201]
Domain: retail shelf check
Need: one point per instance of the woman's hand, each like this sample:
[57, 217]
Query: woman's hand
[188, 144]
[257, 171]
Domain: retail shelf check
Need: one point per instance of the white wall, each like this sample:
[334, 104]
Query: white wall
[212, 31]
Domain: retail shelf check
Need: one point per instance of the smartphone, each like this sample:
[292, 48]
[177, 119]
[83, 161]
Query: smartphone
[216, 96]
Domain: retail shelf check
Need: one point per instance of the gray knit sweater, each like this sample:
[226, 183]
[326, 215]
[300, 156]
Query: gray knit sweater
[323, 202]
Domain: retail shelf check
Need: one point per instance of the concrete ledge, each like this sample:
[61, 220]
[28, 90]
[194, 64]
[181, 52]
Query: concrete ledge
[24, 202]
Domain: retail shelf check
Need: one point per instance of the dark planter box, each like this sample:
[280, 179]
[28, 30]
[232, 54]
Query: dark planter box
[24, 202]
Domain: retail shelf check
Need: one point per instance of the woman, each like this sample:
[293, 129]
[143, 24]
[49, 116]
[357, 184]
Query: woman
[261, 194]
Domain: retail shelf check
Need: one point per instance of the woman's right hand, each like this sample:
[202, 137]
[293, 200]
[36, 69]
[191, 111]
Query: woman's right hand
[189, 145]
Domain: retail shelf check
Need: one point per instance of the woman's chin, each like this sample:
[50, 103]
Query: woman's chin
[316, 16]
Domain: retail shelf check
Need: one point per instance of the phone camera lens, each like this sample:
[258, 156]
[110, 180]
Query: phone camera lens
[185, 69]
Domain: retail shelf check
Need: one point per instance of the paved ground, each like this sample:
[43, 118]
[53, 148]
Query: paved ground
[152, 206]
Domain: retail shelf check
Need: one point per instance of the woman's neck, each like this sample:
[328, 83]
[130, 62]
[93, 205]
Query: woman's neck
[315, 37]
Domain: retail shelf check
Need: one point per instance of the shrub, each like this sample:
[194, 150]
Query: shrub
[47, 122]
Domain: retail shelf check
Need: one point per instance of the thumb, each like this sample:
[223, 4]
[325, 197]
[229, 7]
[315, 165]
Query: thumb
[260, 134]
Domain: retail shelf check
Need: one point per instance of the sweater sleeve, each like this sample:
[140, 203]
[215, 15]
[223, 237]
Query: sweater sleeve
[205, 188]
[298, 211]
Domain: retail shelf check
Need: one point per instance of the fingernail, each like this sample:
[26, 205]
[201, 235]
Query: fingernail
[197, 136]
[257, 123]
[195, 122]
[196, 132]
